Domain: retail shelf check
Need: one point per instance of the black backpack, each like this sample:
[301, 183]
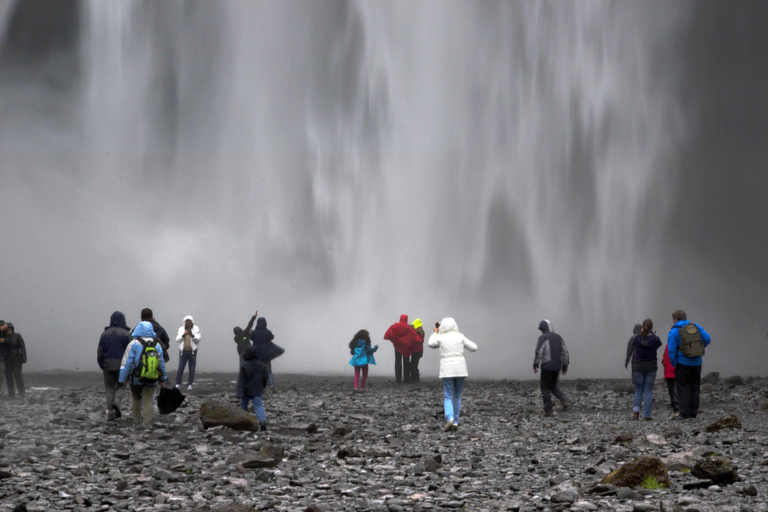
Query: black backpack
[691, 344]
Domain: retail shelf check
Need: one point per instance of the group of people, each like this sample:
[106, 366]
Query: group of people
[682, 361]
[13, 354]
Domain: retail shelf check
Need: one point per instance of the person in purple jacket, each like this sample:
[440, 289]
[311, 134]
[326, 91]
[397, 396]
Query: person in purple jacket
[644, 365]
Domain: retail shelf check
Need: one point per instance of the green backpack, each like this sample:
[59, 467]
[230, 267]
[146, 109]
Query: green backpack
[148, 371]
[691, 343]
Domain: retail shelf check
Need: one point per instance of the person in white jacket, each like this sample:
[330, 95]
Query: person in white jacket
[188, 339]
[453, 366]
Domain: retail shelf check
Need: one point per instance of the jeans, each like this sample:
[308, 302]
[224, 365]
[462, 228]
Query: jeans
[186, 356]
[358, 370]
[549, 387]
[113, 389]
[452, 389]
[644, 387]
[270, 377]
[402, 367]
[672, 393]
[141, 403]
[415, 357]
[13, 373]
[687, 388]
[258, 407]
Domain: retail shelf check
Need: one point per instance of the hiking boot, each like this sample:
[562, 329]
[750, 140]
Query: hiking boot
[116, 411]
[636, 416]
[449, 426]
[565, 405]
[548, 414]
[263, 427]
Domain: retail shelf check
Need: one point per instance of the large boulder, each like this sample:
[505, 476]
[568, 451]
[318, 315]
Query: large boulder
[635, 472]
[731, 422]
[718, 469]
[222, 414]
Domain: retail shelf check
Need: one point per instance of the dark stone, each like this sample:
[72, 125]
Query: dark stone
[341, 431]
[711, 378]
[215, 414]
[624, 437]
[697, 484]
[736, 380]
[625, 493]
[749, 490]
[633, 473]
[268, 457]
[718, 469]
[731, 422]
[432, 464]
[4, 473]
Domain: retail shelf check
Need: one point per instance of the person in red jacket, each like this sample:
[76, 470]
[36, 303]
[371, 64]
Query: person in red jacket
[669, 378]
[403, 337]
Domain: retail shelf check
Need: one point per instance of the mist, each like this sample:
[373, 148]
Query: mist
[336, 164]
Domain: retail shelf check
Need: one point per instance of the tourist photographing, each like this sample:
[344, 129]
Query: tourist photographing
[644, 366]
[453, 367]
[242, 337]
[188, 339]
[362, 356]
[686, 343]
[552, 356]
[109, 354]
[418, 350]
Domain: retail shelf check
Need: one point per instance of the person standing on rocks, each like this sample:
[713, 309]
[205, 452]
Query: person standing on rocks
[418, 350]
[362, 356]
[552, 356]
[242, 337]
[631, 346]
[250, 384]
[15, 356]
[143, 362]
[188, 339]
[265, 348]
[644, 365]
[403, 337]
[112, 344]
[686, 343]
[3, 328]
[162, 336]
[669, 378]
[453, 367]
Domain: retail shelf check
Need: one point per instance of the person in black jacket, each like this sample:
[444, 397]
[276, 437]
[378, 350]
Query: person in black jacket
[552, 355]
[265, 349]
[160, 334]
[2, 353]
[112, 345]
[251, 382]
[15, 356]
[242, 336]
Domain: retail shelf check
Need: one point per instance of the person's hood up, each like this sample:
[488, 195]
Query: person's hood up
[9, 325]
[448, 324]
[261, 323]
[188, 317]
[417, 323]
[546, 326]
[117, 320]
[144, 330]
[637, 329]
[404, 318]
[238, 331]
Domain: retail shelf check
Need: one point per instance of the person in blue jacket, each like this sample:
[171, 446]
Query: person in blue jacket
[362, 356]
[687, 369]
[112, 344]
[142, 390]
[250, 384]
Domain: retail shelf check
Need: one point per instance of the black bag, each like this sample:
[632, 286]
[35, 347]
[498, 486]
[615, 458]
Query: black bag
[169, 400]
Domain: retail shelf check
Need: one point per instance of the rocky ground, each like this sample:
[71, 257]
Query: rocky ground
[384, 449]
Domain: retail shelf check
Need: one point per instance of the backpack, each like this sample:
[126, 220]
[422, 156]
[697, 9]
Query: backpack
[690, 341]
[148, 370]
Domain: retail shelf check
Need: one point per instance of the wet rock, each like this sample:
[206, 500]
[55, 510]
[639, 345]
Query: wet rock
[716, 468]
[624, 437]
[633, 473]
[566, 493]
[711, 378]
[697, 484]
[736, 380]
[625, 493]
[731, 422]
[268, 457]
[221, 414]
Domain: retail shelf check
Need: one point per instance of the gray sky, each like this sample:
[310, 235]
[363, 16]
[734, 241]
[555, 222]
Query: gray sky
[337, 164]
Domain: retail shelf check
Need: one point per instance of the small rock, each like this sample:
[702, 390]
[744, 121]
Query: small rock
[731, 422]
[633, 473]
[716, 468]
[625, 493]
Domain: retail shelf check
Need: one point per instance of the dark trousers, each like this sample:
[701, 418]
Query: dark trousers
[402, 367]
[13, 372]
[549, 387]
[687, 388]
[113, 389]
[186, 356]
[672, 393]
[415, 358]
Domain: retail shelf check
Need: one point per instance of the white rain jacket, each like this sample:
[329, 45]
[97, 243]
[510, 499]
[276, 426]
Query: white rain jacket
[452, 344]
[195, 335]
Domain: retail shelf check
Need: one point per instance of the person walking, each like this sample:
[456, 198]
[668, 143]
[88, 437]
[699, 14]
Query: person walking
[417, 349]
[686, 343]
[188, 339]
[143, 362]
[362, 356]
[242, 337]
[15, 357]
[453, 367]
[402, 336]
[644, 367]
[160, 333]
[109, 354]
[3, 328]
[265, 348]
[552, 355]
[669, 378]
[251, 381]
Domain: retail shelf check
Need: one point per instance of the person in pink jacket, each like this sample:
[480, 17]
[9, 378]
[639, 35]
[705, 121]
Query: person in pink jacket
[669, 378]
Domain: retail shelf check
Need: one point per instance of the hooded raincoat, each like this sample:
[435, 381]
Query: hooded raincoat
[452, 345]
[402, 335]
